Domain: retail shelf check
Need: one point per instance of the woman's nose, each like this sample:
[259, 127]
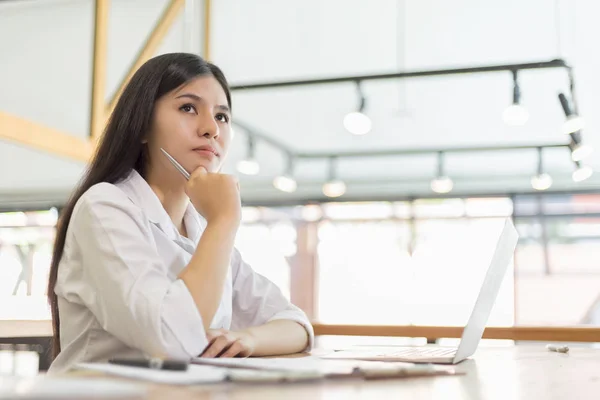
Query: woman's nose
[208, 127]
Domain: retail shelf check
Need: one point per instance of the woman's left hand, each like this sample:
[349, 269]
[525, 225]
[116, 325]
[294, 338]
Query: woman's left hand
[225, 344]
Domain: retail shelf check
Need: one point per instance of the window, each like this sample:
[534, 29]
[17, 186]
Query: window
[424, 264]
[25, 252]
[451, 258]
[426, 270]
[558, 263]
[267, 247]
[364, 272]
[411, 262]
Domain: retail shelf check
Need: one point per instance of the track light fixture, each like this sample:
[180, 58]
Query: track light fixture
[358, 123]
[581, 151]
[333, 187]
[541, 181]
[249, 165]
[582, 172]
[574, 122]
[441, 183]
[515, 114]
[286, 182]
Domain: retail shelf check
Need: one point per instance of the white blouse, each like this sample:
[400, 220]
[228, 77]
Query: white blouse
[117, 287]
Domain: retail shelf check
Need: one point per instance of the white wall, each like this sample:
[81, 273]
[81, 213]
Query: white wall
[46, 78]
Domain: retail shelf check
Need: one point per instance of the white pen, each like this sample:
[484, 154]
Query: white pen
[178, 166]
[558, 349]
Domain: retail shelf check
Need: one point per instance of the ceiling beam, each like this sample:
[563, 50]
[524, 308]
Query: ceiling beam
[40, 137]
[37, 136]
[154, 40]
[207, 19]
[98, 104]
[556, 63]
[426, 151]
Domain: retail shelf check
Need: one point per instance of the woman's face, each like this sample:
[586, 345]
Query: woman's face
[193, 124]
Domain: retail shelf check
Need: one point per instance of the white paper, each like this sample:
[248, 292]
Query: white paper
[195, 374]
[304, 364]
[301, 364]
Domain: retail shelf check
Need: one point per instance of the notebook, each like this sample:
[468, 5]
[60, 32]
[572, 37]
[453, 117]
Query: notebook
[195, 374]
[215, 370]
[328, 368]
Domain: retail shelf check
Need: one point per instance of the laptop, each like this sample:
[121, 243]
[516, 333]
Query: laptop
[503, 254]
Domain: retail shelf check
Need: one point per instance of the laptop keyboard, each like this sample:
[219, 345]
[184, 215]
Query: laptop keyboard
[420, 352]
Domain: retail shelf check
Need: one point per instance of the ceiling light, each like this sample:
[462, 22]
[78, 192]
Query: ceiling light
[286, 182]
[582, 173]
[357, 122]
[515, 114]
[581, 151]
[249, 165]
[442, 183]
[542, 180]
[334, 187]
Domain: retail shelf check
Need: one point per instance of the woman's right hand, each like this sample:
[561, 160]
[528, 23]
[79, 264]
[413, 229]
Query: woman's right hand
[215, 196]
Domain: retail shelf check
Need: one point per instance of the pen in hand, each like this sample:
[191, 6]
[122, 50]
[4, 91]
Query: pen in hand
[177, 166]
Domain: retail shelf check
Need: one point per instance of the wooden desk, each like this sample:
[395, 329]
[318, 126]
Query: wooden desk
[506, 373]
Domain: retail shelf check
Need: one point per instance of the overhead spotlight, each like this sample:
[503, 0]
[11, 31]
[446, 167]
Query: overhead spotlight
[542, 180]
[442, 183]
[574, 122]
[358, 123]
[333, 187]
[515, 114]
[582, 172]
[581, 151]
[249, 165]
[286, 182]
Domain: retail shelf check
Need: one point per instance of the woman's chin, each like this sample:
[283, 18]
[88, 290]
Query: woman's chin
[208, 166]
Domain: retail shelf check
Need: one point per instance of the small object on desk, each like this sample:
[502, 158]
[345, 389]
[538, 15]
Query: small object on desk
[558, 349]
[152, 363]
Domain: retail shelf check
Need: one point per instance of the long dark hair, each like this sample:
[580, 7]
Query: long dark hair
[120, 148]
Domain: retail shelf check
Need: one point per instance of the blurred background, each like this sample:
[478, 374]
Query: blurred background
[373, 190]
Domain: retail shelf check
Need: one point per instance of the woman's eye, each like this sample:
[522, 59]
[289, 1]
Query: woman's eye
[188, 108]
[223, 118]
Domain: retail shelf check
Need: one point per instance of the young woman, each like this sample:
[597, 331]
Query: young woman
[144, 262]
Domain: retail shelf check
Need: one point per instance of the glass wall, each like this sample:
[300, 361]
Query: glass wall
[25, 252]
[409, 262]
[417, 263]
[558, 274]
